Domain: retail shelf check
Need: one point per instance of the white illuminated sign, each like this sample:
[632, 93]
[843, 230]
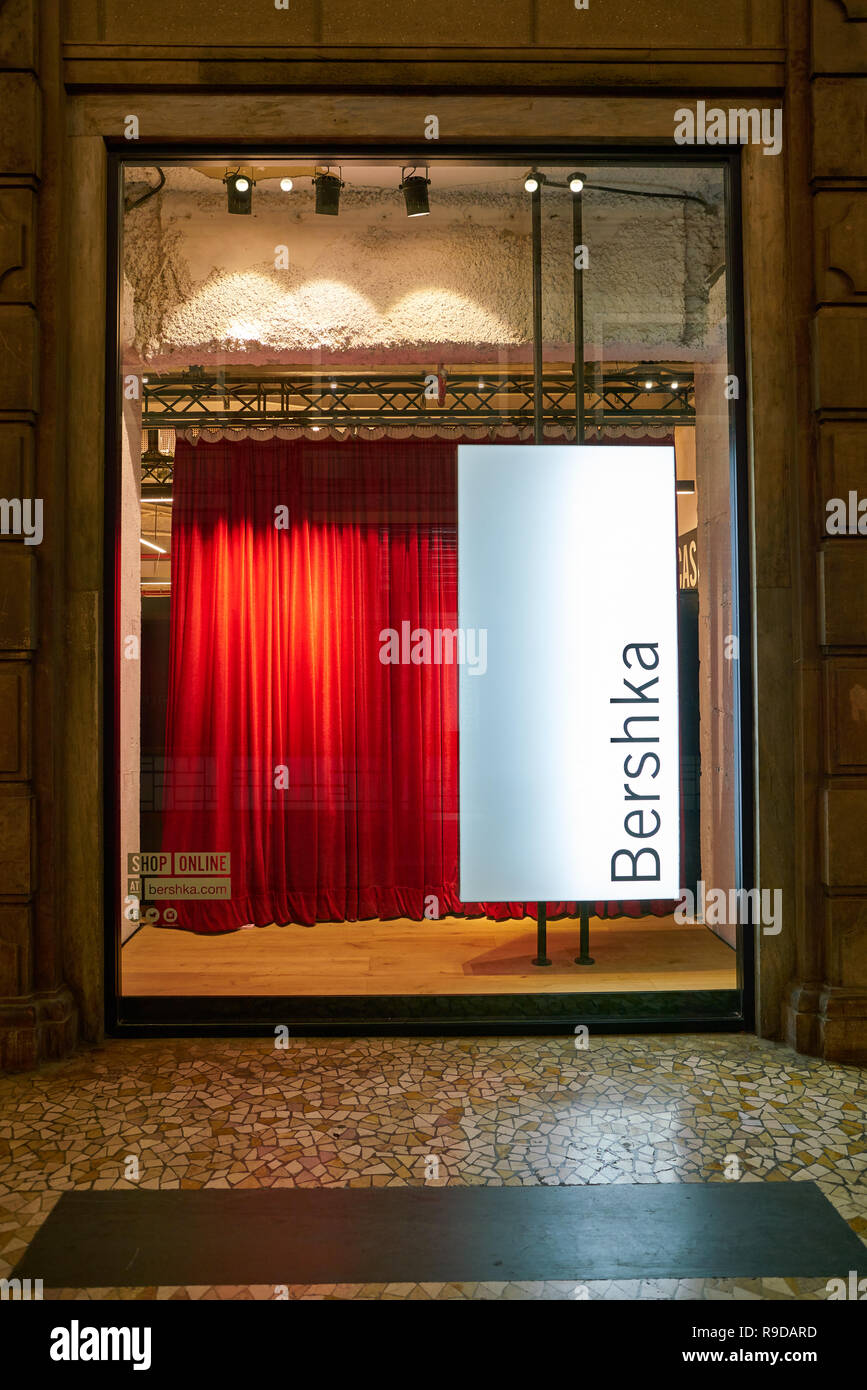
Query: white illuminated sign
[569, 746]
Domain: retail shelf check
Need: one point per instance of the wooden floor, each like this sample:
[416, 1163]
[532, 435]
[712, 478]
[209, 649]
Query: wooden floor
[451, 956]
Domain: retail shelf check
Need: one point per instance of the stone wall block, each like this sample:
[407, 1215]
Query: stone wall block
[846, 932]
[16, 460]
[839, 122]
[19, 359]
[18, 631]
[840, 367]
[846, 705]
[17, 245]
[841, 245]
[17, 841]
[838, 37]
[16, 956]
[19, 137]
[843, 593]
[15, 720]
[844, 841]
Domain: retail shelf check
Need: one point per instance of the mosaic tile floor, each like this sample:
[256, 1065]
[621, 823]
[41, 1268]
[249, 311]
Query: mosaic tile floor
[394, 1111]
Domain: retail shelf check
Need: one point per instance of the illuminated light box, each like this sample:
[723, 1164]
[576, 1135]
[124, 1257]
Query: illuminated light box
[569, 745]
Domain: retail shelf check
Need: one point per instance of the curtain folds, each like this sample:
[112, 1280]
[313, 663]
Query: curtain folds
[330, 777]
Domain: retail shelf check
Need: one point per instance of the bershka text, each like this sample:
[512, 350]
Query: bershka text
[640, 864]
[739, 125]
[440, 646]
[77, 1343]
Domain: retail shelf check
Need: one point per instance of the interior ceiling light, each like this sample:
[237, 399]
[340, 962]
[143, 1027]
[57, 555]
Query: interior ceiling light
[531, 182]
[414, 188]
[576, 183]
[150, 545]
[286, 185]
[648, 385]
[674, 385]
[239, 191]
[328, 188]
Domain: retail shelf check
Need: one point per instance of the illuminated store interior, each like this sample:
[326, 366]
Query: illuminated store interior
[303, 347]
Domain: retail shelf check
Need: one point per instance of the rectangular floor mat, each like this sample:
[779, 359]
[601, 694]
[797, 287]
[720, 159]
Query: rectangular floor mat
[441, 1234]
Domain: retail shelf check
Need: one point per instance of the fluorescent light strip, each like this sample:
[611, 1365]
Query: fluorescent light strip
[151, 546]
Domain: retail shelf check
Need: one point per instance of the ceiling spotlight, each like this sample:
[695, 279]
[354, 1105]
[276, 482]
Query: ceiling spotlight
[674, 385]
[239, 191]
[576, 183]
[328, 188]
[531, 182]
[648, 385]
[414, 188]
[333, 386]
[286, 185]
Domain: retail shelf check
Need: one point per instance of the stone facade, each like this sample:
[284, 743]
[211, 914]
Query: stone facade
[498, 72]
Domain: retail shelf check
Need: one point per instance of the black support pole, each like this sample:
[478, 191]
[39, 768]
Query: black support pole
[541, 957]
[584, 957]
[578, 312]
[538, 431]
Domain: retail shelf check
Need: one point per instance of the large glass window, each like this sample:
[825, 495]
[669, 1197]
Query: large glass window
[303, 348]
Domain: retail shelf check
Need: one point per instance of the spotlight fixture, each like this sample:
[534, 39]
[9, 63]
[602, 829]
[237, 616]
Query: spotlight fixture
[286, 185]
[328, 188]
[414, 188]
[684, 485]
[675, 385]
[531, 182]
[333, 387]
[576, 183]
[239, 191]
[648, 385]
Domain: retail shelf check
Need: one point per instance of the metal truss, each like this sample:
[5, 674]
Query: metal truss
[648, 395]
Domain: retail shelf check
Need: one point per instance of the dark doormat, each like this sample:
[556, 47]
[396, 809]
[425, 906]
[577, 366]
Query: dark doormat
[441, 1235]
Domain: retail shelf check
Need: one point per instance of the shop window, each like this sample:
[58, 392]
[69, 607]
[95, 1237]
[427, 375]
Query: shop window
[303, 349]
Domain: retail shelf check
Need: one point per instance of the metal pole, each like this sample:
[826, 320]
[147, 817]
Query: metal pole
[541, 956]
[578, 312]
[584, 957]
[538, 432]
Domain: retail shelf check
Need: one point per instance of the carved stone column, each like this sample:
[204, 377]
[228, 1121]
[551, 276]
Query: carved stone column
[37, 1012]
[827, 1006]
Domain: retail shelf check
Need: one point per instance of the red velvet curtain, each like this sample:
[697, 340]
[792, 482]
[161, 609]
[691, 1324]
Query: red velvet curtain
[331, 778]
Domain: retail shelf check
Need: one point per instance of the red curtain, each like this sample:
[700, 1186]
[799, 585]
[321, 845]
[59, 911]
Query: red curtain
[330, 777]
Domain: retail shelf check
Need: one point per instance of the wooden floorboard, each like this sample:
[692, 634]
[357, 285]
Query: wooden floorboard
[451, 956]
